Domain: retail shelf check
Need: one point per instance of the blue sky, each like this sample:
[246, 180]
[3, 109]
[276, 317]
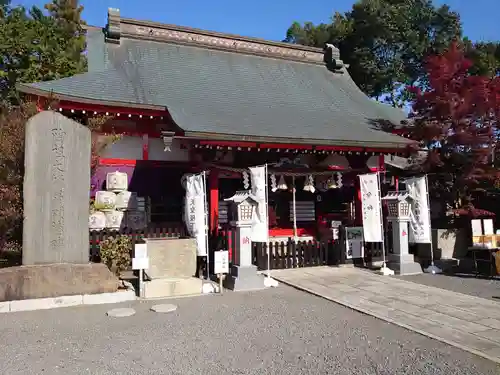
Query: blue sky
[268, 19]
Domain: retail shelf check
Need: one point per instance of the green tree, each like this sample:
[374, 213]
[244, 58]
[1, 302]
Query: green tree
[4, 5]
[69, 27]
[385, 42]
[308, 34]
[485, 57]
[35, 46]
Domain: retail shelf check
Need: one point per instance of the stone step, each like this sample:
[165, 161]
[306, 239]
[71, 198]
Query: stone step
[172, 287]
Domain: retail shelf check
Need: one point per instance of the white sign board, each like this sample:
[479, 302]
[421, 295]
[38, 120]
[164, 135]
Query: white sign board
[141, 250]
[488, 227]
[477, 229]
[221, 262]
[354, 242]
[140, 263]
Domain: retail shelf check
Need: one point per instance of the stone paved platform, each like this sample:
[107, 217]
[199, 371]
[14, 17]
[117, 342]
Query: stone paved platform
[467, 322]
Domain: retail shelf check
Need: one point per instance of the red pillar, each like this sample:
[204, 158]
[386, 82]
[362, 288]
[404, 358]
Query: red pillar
[213, 183]
[145, 147]
[358, 217]
[381, 163]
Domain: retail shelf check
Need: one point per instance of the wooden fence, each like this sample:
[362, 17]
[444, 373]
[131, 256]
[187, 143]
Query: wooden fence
[284, 255]
[297, 254]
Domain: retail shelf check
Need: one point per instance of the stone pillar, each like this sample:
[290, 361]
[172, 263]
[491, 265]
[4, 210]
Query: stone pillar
[401, 261]
[243, 274]
[56, 190]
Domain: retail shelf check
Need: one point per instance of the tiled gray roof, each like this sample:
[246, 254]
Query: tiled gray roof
[212, 91]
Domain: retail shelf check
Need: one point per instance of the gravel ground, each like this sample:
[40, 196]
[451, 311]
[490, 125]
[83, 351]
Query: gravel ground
[277, 331]
[466, 284]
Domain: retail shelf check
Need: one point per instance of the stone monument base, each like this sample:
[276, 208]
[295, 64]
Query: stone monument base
[244, 278]
[404, 265]
[172, 287]
[55, 280]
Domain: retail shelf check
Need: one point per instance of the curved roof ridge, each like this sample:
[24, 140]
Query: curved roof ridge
[118, 27]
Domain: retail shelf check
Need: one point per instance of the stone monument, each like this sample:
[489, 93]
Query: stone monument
[400, 261]
[172, 266]
[56, 190]
[243, 273]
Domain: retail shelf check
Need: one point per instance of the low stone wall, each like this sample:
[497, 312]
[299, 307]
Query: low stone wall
[55, 280]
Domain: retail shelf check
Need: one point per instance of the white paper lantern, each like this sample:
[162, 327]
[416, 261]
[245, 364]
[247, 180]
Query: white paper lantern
[114, 219]
[97, 221]
[335, 162]
[332, 183]
[116, 181]
[126, 200]
[105, 201]
[136, 219]
[372, 162]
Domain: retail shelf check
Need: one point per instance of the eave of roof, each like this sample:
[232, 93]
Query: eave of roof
[263, 91]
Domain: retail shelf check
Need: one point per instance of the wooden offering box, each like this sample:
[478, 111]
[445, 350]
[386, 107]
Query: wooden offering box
[488, 241]
[483, 234]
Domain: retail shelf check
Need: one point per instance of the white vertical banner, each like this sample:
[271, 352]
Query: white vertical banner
[260, 228]
[420, 223]
[371, 208]
[195, 211]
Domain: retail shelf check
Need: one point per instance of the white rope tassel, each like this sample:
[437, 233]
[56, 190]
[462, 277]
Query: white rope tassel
[273, 183]
[246, 182]
[339, 180]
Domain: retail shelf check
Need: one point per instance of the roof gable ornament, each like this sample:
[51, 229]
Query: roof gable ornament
[113, 28]
[332, 58]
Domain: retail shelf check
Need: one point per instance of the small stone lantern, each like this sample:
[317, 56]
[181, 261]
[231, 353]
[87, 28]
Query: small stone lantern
[398, 204]
[243, 207]
[399, 211]
[243, 273]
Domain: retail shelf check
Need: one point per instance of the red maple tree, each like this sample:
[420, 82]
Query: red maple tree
[455, 119]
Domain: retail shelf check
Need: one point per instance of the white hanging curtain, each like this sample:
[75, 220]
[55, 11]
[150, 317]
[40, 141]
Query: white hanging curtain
[195, 214]
[260, 227]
